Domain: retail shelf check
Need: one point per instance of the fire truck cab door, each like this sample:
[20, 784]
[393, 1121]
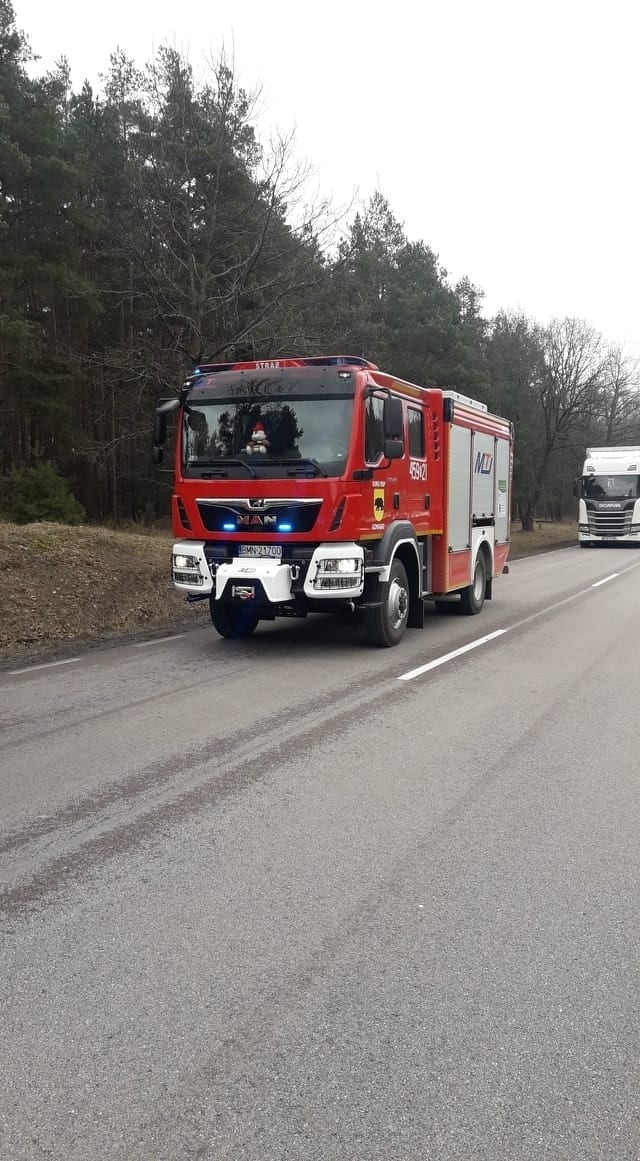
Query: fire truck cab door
[417, 484]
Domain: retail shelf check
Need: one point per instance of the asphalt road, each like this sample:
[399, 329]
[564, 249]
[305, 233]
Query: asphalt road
[298, 898]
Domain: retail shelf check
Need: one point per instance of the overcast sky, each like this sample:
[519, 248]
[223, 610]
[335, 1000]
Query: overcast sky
[503, 132]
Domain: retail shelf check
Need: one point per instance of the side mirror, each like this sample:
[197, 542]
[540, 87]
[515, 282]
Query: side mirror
[164, 408]
[393, 418]
[159, 428]
[393, 449]
[393, 427]
[577, 487]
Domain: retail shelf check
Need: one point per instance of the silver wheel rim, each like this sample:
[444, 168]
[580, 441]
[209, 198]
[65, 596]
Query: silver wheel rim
[478, 581]
[398, 604]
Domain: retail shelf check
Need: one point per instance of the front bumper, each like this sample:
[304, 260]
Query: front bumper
[334, 572]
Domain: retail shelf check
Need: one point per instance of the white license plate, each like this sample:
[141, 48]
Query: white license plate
[261, 550]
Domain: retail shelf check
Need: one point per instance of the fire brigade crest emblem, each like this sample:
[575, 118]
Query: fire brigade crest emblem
[378, 503]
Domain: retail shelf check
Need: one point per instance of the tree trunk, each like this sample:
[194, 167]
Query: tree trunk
[526, 514]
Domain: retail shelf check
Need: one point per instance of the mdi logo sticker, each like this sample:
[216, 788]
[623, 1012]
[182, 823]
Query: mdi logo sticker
[484, 463]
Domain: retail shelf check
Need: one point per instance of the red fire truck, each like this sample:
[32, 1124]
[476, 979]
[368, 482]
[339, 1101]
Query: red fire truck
[325, 485]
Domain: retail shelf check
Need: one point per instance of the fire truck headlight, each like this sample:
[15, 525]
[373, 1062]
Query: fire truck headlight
[181, 562]
[187, 570]
[338, 572]
[339, 564]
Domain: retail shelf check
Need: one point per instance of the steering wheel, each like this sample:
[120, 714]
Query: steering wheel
[336, 450]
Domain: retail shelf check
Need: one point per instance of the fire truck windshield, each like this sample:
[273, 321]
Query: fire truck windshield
[611, 487]
[270, 435]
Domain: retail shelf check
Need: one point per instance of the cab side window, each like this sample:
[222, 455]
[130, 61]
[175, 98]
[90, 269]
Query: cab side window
[416, 433]
[373, 430]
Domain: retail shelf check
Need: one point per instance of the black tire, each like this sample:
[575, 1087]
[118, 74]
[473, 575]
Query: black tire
[233, 621]
[386, 625]
[472, 598]
[586, 544]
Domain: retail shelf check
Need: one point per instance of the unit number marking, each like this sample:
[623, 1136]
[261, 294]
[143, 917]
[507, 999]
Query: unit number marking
[417, 470]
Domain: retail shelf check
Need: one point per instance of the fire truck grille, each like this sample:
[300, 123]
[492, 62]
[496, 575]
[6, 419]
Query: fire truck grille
[293, 517]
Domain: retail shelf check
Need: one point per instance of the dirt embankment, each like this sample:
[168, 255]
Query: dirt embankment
[545, 537]
[61, 586]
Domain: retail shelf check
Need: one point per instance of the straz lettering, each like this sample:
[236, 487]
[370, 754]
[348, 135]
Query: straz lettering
[253, 521]
[484, 463]
[417, 470]
[268, 364]
[252, 390]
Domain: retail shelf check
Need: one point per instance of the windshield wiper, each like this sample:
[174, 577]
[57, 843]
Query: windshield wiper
[223, 463]
[302, 466]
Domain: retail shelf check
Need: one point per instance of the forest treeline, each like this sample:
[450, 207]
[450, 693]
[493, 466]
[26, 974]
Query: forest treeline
[146, 227]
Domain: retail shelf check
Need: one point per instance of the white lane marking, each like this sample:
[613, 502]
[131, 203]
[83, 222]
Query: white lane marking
[158, 640]
[46, 665]
[450, 656]
[566, 600]
[605, 579]
[404, 676]
[516, 625]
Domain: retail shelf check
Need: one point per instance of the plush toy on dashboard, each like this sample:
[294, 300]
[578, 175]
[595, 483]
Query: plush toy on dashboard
[259, 442]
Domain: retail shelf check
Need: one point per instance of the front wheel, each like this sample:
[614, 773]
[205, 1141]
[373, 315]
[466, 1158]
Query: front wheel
[472, 598]
[385, 625]
[586, 544]
[232, 621]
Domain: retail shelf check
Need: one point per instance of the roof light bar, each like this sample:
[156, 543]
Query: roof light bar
[276, 364]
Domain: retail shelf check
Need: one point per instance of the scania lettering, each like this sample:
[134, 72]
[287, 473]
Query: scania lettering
[307, 485]
[609, 497]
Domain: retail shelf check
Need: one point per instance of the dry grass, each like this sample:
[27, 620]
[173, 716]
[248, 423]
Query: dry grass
[62, 586]
[545, 537]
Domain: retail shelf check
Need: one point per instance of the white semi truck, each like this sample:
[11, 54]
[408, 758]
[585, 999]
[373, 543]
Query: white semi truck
[609, 496]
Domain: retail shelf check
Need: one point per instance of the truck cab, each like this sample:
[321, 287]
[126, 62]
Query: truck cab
[608, 493]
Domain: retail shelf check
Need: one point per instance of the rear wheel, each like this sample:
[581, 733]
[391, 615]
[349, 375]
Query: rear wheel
[385, 625]
[472, 598]
[234, 621]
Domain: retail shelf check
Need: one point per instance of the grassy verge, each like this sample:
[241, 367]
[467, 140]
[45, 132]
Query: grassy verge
[544, 538]
[61, 587]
